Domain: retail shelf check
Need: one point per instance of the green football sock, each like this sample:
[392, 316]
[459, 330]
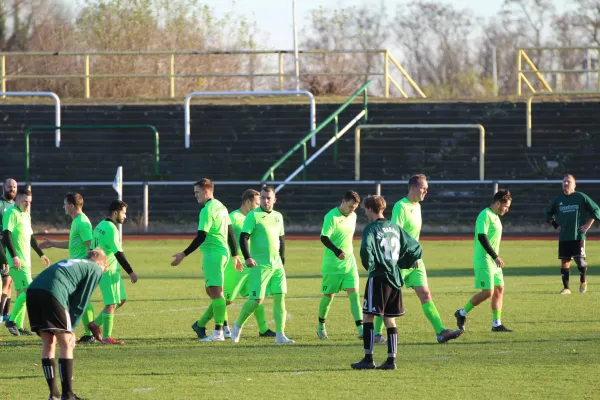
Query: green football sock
[108, 325]
[18, 312]
[219, 307]
[207, 316]
[433, 316]
[261, 319]
[226, 318]
[99, 321]
[324, 306]
[279, 312]
[355, 307]
[378, 325]
[87, 317]
[496, 314]
[469, 306]
[247, 310]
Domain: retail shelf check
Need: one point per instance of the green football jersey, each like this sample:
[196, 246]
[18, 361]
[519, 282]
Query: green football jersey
[407, 215]
[214, 220]
[81, 232]
[19, 225]
[570, 212]
[4, 206]
[106, 236]
[340, 230]
[72, 283]
[264, 229]
[488, 223]
[386, 248]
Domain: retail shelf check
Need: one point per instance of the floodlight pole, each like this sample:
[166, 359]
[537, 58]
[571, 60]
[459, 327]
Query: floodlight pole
[296, 60]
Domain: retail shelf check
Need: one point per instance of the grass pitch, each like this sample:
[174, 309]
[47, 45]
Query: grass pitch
[553, 353]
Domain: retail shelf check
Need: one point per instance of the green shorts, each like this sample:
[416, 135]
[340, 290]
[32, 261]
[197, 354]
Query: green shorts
[21, 277]
[112, 287]
[213, 265]
[335, 283]
[236, 283]
[265, 280]
[415, 276]
[487, 275]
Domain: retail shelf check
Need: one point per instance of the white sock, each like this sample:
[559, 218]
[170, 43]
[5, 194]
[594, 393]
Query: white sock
[280, 335]
[218, 332]
[462, 312]
[496, 323]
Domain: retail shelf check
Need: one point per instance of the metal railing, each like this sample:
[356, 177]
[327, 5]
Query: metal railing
[302, 143]
[420, 126]
[90, 127]
[87, 76]
[188, 98]
[53, 96]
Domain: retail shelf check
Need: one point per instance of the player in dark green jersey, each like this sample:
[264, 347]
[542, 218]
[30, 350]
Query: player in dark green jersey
[56, 300]
[385, 250]
[9, 192]
[79, 243]
[572, 214]
[19, 240]
[216, 240]
[487, 262]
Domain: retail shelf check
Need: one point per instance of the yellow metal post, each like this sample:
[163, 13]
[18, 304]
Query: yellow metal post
[280, 71]
[537, 73]
[87, 76]
[386, 73]
[406, 76]
[3, 72]
[357, 153]
[172, 73]
[519, 72]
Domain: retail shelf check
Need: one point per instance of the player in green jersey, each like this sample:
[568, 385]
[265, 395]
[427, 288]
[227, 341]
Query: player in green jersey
[265, 256]
[216, 239]
[407, 215]
[79, 243]
[56, 300]
[106, 237]
[9, 192]
[385, 250]
[338, 267]
[487, 262]
[19, 240]
[572, 214]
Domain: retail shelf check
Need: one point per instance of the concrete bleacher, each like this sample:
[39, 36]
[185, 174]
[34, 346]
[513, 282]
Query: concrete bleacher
[241, 142]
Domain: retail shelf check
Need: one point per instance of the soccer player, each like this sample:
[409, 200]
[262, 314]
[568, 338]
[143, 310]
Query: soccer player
[216, 239]
[9, 192]
[106, 237]
[56, 300]
[572, 214]
[265, 257]
[487, 263]
[19, 240]
[385, 250]
[80, 240]
[407, 215]
[339, 265]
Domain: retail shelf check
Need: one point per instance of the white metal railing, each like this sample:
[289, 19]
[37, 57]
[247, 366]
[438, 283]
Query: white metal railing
[377, 185]
[311, 98]
[53, 95]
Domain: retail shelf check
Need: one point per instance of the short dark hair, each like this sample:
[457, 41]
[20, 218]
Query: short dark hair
[116, 205]
[375, 203]
[503, 196]
[415, 179]
[249, 194]
[569, 176]
[205, 183]
[351, 195]
[75, 199]
[267, 189]
[24, 192]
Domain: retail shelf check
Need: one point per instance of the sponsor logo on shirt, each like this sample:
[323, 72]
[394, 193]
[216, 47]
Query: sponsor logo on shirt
[568, 209]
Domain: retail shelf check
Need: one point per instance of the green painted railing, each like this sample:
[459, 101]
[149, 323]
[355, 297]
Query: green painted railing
[332, 118]
[90, 127]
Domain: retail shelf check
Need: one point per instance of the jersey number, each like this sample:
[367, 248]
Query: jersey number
[68, 263]
[391, 248]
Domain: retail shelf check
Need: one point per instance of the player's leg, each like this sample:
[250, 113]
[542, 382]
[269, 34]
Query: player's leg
[277, 286]
[110, 285]
[86, 318]
[330, 285]
[199, 326]
[406, 277]
[484, 280]
[213, 265]
[21, 279]
[392, 308]
[6, 297]
[372, 306]
[565, 255]
[66, 343]
[49, 362]
[350, 285]
[581, 267]
[258, 278]
[232, 284]
[497, 301]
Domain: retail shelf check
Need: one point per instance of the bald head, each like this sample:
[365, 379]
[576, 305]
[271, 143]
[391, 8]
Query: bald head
[9, 189]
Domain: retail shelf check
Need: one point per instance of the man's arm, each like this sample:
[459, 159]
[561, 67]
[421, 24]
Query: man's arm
[120, 256]
[282, 248]
[197, 242]
[485, 243]
[550, 214]
[3, 259]
[47, 243]
[366, 251]
[244, 237]
[329, 244]
[79, 300]
[34, 245]
[7, 242]
[231, 241]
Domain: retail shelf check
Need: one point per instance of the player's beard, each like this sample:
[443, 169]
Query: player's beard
[10, 196]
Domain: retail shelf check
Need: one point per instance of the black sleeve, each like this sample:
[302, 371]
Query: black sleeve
[3, 259]
[231, 241]
[198, 240]
[282, 248]
[7, 241]
[555, 224]
[486, 245]
[35, 247]
[120, 256]
[244, 236]
[329, 244]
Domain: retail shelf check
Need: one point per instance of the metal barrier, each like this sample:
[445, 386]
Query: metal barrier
[90, 127]
[87, 76]
[188, 98]
[41, 94]
[420, 126]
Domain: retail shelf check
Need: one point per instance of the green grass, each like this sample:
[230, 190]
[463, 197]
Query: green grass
[553, 353]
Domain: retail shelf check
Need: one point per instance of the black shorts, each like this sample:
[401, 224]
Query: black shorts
[382, 299]
[46, 313]
[571, 249]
